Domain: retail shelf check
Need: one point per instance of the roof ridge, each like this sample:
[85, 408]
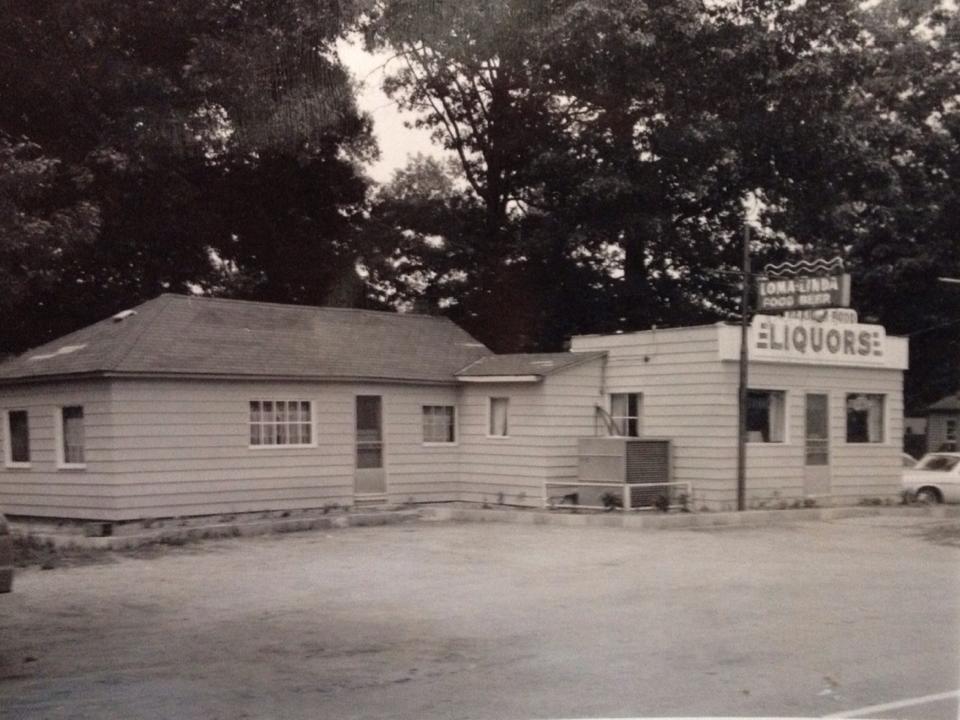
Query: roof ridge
[123, 355]
[326, 308]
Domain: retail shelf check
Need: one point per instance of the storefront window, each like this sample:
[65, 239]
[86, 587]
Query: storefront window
[864, 418]
[766, 416]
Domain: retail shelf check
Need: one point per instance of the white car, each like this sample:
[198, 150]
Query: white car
[935, 479]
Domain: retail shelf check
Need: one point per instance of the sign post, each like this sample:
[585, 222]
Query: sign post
[744, 360]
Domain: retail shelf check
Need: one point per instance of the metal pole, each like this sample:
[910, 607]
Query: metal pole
[744, 361]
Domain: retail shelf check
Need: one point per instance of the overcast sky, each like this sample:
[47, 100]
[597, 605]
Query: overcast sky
[396, 141]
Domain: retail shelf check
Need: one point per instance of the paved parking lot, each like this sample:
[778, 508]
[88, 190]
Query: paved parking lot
[437, 620]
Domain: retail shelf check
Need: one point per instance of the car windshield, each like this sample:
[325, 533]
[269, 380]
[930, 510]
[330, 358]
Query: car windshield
[941, 463]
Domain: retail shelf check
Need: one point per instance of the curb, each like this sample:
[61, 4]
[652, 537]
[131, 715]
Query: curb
[180, 535]
[636, 521]
[747, 518]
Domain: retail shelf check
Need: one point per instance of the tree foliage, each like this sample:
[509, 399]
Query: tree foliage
[215, 144]
[635, 130]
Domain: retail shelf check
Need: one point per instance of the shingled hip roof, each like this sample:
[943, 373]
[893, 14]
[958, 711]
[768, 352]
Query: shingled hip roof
[198, 336]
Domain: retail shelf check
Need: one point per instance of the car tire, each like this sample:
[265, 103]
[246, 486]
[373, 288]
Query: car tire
[928, 496]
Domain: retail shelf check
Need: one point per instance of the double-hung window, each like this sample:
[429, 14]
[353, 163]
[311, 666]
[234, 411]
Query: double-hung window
[280, 422]
[439, 424]
[71, 451]
[499, 417]
[17, 439]
[766, 416]
[625, 413]
[864, 418]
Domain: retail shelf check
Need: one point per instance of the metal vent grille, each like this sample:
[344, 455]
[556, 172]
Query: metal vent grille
[648, 461]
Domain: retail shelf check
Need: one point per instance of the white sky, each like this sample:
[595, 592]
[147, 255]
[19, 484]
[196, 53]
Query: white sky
[396, 142]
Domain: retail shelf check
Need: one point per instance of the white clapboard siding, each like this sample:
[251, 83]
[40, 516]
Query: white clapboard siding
[545, 420]
[211, 464]
[43, 489]
[691, 397]
[158, 448]
[688, 396]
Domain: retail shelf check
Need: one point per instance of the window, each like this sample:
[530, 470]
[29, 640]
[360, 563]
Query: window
[766, 416]
[499, 412]
[17, 445]
[625, 413]
[439, 423]
[71, 436]
[939, 463]
[864, 418]
[280, 422]
[950, 434]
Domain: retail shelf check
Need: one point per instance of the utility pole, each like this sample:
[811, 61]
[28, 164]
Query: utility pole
[744, 362]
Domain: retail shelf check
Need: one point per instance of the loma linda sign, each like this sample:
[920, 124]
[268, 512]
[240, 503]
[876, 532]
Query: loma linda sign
[802, 293]
[793, 340]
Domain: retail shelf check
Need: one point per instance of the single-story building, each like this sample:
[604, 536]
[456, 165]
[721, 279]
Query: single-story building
[943, 424]
[193, 406]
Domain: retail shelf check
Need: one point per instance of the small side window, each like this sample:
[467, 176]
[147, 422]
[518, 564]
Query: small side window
[72, 437]
[499, 425]
[17, 445]
[625, 413]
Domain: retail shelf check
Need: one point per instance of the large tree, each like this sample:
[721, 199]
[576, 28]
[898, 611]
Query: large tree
[217, 143]
[639, 128]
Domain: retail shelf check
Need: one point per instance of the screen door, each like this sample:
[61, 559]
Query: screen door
[816, 472]
[369, 475]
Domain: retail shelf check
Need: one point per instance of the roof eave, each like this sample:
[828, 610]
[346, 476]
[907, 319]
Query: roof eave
[250, 377]
[499, 378]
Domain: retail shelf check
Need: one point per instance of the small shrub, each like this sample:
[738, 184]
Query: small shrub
[611, 501]
[662, 503]
[500, 498]
[809, 502]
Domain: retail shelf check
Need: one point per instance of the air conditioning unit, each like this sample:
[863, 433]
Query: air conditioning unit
[608, 464]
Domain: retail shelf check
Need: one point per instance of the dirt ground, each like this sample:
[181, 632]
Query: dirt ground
[435, 620]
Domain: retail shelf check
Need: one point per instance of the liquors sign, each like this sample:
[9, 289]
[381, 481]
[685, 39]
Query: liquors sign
[788, 339]
[802, 293]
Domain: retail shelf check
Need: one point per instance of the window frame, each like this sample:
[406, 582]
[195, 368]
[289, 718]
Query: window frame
[951, 430]
[283, 446]
[490, 399]
[785, 417]
[60, 438]
[638, 417]
[455, 428]
[884, 418]
[8, 460]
